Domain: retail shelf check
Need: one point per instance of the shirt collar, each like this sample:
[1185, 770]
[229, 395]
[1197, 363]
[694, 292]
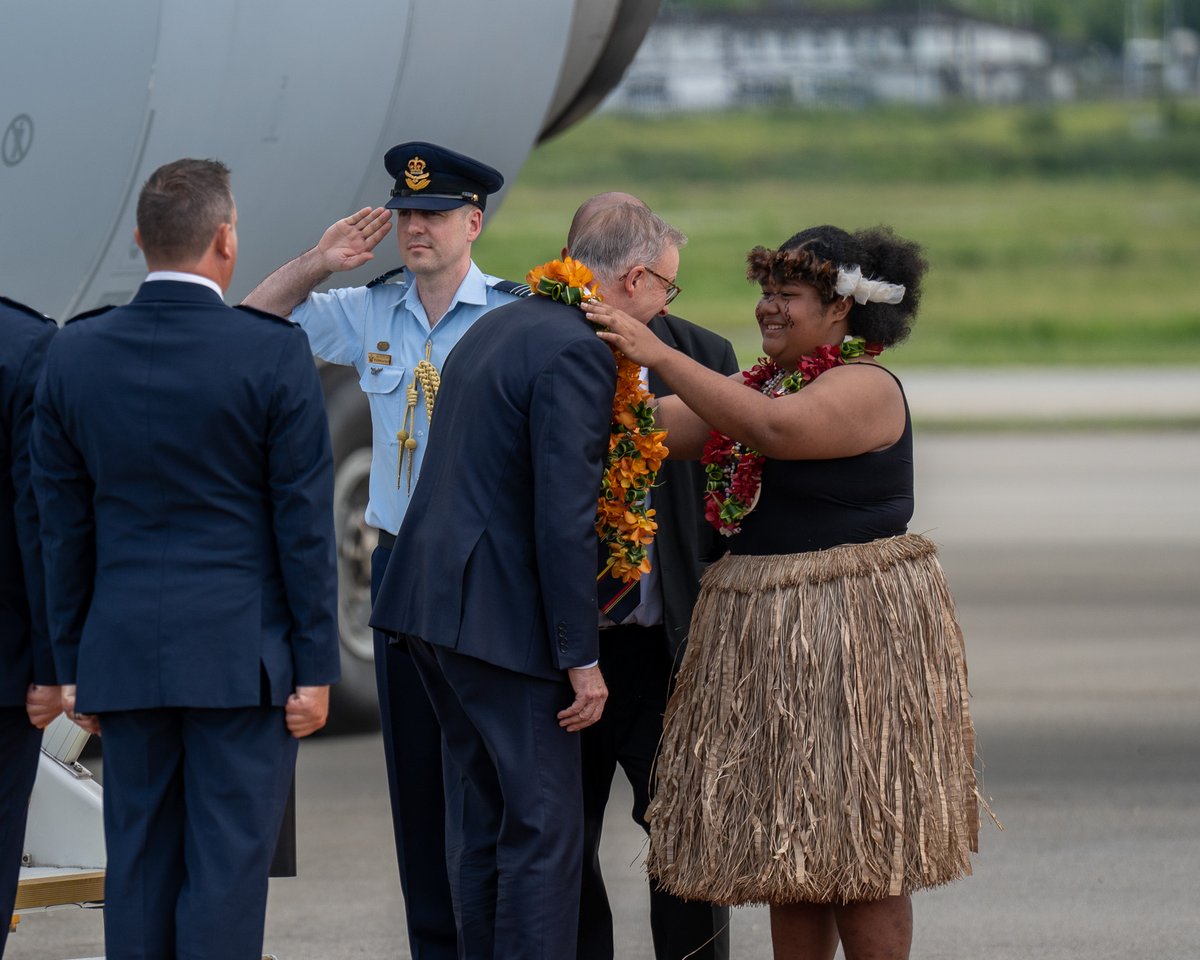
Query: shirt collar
[473, 289]
[180, 277]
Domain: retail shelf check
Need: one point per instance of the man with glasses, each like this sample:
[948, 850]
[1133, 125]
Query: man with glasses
[670, 286]
[641, 646]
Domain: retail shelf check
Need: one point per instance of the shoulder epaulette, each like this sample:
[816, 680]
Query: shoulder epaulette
[25, 308]
[511, 286]
[385, 277]
[92, 313]
[265, 314]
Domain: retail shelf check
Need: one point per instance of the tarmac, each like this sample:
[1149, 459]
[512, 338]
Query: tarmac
[1053, 396]
[1072, 549]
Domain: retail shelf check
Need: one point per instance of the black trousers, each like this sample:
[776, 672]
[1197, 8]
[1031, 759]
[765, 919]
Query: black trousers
[637, 669]
[412, 747]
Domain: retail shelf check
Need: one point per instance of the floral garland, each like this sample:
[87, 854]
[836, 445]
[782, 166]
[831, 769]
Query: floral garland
[563, 280]
[635, 449]
[734, 470]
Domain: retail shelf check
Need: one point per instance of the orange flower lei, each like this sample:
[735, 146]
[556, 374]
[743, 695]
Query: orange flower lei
[635, 449]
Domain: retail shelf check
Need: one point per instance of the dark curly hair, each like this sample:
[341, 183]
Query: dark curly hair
[813, 256]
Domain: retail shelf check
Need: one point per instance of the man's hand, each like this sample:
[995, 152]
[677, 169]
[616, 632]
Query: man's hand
[307, 710]
[348, 243]
[89, 721]
[43, 704]
[590, 694]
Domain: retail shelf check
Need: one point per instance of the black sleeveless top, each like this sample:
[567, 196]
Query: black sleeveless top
[808, 505]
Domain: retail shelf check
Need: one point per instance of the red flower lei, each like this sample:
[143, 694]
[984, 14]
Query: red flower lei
[733, 469]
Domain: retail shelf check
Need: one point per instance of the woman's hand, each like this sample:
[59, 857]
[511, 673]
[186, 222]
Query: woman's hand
[632, 338]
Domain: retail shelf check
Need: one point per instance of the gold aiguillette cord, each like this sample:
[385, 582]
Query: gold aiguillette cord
[425, 374]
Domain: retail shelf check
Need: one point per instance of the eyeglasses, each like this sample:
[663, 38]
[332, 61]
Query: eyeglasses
[673, 289]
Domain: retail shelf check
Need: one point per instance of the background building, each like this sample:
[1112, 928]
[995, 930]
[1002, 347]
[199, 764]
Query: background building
[719, 60]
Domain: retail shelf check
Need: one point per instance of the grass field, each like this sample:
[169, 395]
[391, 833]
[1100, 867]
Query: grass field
[1031, 261]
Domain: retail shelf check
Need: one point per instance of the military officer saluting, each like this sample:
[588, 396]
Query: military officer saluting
[396, 332]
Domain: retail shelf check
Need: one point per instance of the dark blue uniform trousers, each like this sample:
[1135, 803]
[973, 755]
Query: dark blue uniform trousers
[412, 747]
[515, 849]
[193, 800]
[20, 741]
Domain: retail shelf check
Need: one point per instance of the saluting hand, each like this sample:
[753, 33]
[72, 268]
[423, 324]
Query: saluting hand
[348, 243]
[590, 694]
[306, 710]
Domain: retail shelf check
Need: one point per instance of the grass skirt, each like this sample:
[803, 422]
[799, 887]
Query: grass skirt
[818, 746]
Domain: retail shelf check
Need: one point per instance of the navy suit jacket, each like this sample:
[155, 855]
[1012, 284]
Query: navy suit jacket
[183, 470]
[496, 558]
[685, 542]
[24, 642]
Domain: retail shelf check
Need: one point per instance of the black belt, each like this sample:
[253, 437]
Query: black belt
[386, 539]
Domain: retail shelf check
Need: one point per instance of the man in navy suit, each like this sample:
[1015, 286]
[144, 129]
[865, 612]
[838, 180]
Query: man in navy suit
[183, 472]
[29, 695]
[496, 592]
[641, 649]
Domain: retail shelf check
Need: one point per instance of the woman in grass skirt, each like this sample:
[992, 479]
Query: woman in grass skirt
[818, 750]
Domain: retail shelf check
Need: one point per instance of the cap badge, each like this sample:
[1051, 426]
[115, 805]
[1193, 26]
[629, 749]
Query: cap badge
[415, 176]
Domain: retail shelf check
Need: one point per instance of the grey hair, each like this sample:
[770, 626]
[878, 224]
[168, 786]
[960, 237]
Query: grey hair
[622, 237]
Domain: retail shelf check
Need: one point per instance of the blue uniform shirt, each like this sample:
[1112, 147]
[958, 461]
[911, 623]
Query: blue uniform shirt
[382, 332]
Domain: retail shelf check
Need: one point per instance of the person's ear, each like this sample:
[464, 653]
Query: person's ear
[839, 310]
[633, 278]
[474, 223]
[223, 241]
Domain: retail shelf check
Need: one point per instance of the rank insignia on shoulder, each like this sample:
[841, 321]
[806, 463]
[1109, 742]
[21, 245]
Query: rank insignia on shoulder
[385, 277]
[23, 308]
[511, 286]
[91, 313]
[383, 359]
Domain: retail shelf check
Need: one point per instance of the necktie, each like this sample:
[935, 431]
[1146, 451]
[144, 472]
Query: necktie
[616, 599]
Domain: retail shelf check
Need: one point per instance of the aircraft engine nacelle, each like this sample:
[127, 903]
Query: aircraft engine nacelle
[301, 100]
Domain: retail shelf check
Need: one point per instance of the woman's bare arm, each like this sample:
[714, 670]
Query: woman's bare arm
[848, 411]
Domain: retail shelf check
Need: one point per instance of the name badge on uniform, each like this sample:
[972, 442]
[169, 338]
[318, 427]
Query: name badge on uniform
[384, 359]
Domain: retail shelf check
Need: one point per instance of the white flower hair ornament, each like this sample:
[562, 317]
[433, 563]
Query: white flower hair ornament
[851, 283]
